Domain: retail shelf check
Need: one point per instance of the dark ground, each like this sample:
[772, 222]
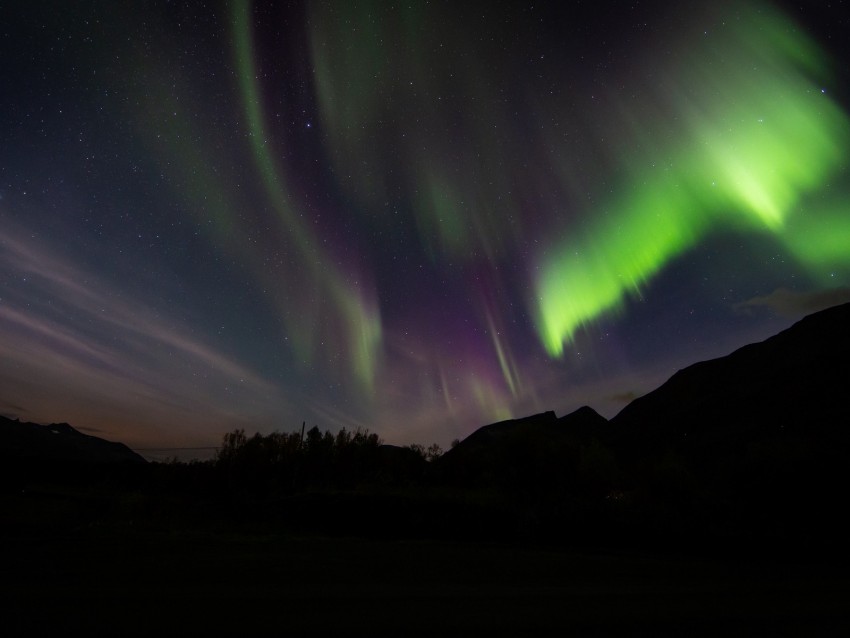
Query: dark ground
[101, 557]
[106, 582]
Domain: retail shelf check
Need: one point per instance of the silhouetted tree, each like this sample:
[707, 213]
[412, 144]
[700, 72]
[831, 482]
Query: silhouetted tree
[282, 461]
[230, 445]
[430, 454]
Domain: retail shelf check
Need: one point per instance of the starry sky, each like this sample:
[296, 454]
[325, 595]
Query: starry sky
[412, 217]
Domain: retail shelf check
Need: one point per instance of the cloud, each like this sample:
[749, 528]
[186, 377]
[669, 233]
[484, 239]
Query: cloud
[10, 410]
[790, 303]
[80, 348]
[625, 397]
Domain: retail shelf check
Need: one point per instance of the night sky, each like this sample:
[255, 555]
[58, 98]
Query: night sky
[411, 217]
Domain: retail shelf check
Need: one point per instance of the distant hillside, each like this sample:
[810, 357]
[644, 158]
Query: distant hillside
[58, 443]
[795, 384]
[756, 440]
[540, 450]
[754, 443]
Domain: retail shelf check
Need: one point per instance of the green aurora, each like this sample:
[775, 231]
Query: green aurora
[360, 323]
[759, 138]
[735, 133]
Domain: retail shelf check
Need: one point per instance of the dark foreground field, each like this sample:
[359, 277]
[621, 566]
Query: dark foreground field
[203, 583]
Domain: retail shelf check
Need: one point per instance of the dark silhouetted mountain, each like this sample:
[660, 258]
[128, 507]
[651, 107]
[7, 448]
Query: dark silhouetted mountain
[794, 384]
[58, 443]
[752, 445]
[758, 440]
[540, 450]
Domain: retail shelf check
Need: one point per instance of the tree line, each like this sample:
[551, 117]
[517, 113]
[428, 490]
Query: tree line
[291, 461]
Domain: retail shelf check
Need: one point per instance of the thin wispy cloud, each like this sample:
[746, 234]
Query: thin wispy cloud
[62, 324]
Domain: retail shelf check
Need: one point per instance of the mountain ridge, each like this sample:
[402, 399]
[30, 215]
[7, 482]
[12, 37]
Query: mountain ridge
[792, 381]
[59, 443]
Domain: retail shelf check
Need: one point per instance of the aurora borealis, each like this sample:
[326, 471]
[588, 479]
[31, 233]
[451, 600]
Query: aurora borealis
[415, 218]
[757, 138]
